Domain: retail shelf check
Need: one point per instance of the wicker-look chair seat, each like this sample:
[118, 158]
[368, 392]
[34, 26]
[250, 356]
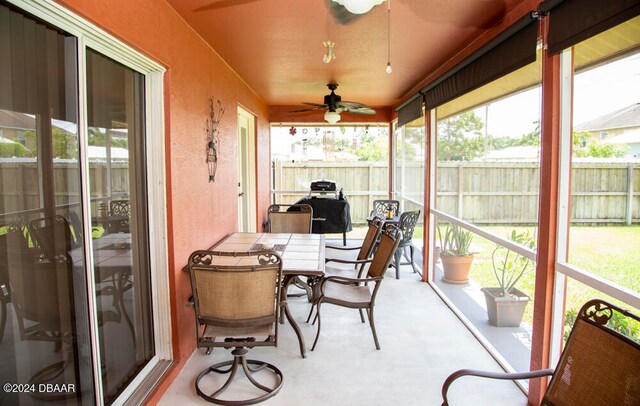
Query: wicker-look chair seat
[236, 301]
[265, 330]
[347, 295]
[598, 366]
[358, 293]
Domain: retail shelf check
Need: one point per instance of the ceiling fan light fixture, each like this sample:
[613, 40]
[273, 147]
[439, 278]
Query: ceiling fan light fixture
[331, 117]
[358, 6]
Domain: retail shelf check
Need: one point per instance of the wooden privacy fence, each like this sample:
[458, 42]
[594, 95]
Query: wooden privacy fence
[478, 192]
[20, 184]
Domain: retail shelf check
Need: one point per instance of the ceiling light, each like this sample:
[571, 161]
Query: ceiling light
[358, 6]
[332, 117]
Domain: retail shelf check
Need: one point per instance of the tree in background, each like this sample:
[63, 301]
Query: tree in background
[13, 149]
[529, 139]
[369, 147]
[586, 144]
[460, 137]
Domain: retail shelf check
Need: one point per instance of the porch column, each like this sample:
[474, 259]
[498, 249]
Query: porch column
[547, 218]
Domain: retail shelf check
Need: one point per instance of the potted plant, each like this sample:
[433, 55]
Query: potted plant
[505, 303]
[454, 253]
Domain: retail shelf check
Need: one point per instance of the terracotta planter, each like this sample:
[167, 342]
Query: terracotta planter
[456, 269]
[505, 311]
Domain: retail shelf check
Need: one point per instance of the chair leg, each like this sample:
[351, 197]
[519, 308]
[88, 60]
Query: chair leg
[3, 321]
[396, 260]
[239, 359]
[413, 264]
[310, 312]
[373, 327]
[318, 332]
[361, 315]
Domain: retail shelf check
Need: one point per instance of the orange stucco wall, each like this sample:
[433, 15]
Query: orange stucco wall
[199, 213]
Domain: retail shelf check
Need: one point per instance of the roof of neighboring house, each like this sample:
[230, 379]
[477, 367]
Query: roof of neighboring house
[623, 118]
[629, 137]
[7, 141]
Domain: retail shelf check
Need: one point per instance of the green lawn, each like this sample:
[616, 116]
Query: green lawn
[610, 252]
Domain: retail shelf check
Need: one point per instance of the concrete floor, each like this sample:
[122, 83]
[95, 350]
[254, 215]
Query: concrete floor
[422, 343]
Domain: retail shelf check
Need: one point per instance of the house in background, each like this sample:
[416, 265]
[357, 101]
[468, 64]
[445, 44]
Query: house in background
[613, 124]
[629, 138]
[620, 127]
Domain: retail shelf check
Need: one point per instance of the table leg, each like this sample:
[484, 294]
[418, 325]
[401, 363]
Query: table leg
[344, 238]
[285, 307]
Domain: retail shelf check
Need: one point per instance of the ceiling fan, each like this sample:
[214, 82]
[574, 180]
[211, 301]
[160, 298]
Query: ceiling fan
[335, 106]
[342, 11]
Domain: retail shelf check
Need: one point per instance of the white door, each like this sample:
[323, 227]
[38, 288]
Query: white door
[246, 171]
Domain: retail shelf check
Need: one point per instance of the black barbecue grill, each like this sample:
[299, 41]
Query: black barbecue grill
[331, 212]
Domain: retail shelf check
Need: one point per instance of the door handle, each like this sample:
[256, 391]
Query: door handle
[240, 194]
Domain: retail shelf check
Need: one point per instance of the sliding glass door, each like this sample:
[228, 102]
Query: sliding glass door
[76, 308]
[116, 139]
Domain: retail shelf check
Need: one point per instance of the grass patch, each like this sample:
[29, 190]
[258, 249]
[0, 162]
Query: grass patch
[609, 251]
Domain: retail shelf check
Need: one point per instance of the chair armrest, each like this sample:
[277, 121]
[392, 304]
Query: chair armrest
[347, 261]
[335, 247]
[343, 280]
[491, 375]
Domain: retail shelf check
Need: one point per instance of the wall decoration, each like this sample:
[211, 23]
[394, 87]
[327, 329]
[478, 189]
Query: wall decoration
[216, 111]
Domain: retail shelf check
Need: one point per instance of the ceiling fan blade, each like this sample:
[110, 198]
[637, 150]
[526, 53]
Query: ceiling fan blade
[340, 14]
[355, 108]
[460, 13]
[223, 4]
[361, 110]
[324, 106]
[314, 108]
[350, 104]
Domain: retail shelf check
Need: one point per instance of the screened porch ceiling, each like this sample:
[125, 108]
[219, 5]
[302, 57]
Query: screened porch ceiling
[276, 47]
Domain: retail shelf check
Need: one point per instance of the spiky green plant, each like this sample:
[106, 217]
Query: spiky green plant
[509, 266]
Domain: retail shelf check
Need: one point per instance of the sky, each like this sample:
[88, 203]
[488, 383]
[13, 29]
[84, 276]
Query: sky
[597, 92]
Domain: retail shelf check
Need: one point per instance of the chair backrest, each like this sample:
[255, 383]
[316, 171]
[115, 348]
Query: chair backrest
[76, 223]
[235, 289]
[120, 208]
[599, 366]
[373, 232]
[13, 251]
[294, 218]
[53, 235]
[389, 241]
[408, 221]
[381, 208]
[43, 293]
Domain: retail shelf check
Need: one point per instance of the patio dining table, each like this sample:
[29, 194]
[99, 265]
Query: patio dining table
[302, 255]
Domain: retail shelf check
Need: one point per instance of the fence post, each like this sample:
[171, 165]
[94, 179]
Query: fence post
[460, 188]
[369, 188]
[629, 213]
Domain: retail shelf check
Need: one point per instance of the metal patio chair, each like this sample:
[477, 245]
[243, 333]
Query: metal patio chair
[359, 293]
[290, 218]
[236, 299]
[408, 221]
[598, 366]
